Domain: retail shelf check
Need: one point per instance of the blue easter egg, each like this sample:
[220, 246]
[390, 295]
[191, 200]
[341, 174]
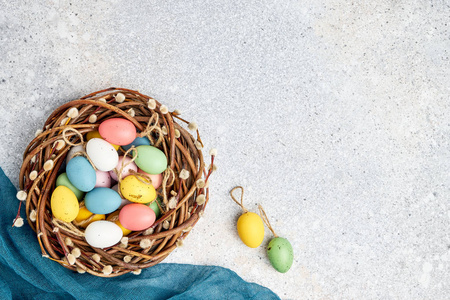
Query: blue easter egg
[137, 142]
[81, 173]
[102, 200]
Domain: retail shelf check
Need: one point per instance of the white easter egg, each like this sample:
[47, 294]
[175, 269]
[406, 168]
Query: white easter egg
[72, 152]
[102, 234]
[102, 154]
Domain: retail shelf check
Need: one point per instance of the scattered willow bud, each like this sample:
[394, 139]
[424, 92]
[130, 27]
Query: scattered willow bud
[124, 241]
[48, 165]
[149, 231]
[164, 110]
[80, 270]
[201, 199]
[96, 257]
[192, 126]
[33, 216]
[33, 159]
[187, 229]
[71, 259]
[38, 132]
[72, 113]
[164, 130]
[120, 97]
[213, 167]
[56, 229]
[166, 224]
[21, 195]
[92, 118]
[59, 144]
[151, 103]
[137, 272]
[177, 133]
[101, 100]
[18, 222]
[184, 174]
[180, 243]
[64, 121]
[127, 258]
[176, 112]
[107, 270]
[207, 184]
[201, 213]
[145, 243]
[131, 112]
[76, 252]
[213, 152]
[200, 183]
[198, 145]
[68, 241]
[172, 203]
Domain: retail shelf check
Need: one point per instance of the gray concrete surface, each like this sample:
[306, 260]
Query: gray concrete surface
[334, 115]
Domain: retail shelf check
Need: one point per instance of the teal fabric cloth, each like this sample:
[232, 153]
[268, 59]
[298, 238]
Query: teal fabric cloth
[25, 274]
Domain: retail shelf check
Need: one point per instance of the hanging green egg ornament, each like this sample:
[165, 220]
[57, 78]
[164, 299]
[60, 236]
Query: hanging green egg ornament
[250, 226]
[279, 250]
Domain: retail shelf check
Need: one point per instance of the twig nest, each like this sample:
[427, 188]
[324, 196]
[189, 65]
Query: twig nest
[173, 178]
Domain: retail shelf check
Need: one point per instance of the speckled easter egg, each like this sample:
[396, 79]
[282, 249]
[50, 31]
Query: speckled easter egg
[150, 159]
[95, 134]
[64, 204]
[103, 179]
[117, 131]
[85, 214]
[280, 254]
[102, 200]
[156, 178]
[138, 141]
[137, 190]
[127, 167]
[102, 154]
[64, 180]
[102, 234]
[250, 228]
[136, 216]
[81, 174]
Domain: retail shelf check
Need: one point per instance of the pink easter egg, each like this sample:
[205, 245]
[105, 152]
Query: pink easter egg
[117, 131]
[136, 216]
[103, 179]
[156, 179]
[126, 170]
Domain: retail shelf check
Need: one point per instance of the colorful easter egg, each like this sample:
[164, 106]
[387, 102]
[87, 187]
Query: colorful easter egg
[137, 190]
[102, 200]
[117, 131]
[84, 214]
[81, 174]
[138, 141]
[156, 178]
[102, 154]
[64, 204]
[114, 217]
[128, 166]
[102, 234]
[150, 159]
[250, 228]
[281, 254]
[74, 150]
[136, 216]
[95, 134]
[64, 180]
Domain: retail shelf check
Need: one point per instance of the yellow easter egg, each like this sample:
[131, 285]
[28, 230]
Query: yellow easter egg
[114, 217]
[95, 134]
[64, 204]
[85, 214]
[250, 228]
[137, 190]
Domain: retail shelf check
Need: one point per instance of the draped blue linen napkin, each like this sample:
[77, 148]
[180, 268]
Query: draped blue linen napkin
[25, 274]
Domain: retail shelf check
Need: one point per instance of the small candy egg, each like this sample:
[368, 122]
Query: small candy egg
[85, 214]
[94, 134]
[114, 217]
[103, 179]
[138, 141]
[64, 204]
[117, 131]
[280, 254]
[154, 206]
[102, 234]
[250, 228]
[102, 154]
[136, 216]
[64, 180]
[102, 200]
[126, 170]
[136, 190]
[156, 179]
[73, 150]
[150, 159]
[124, 201]
[81, 174]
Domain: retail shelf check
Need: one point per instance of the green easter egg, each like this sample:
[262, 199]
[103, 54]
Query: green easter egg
[64, 181]
[154, 206]
[280, 254]
[150, 159]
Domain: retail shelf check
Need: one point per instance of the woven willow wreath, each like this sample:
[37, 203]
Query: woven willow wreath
[184, 191]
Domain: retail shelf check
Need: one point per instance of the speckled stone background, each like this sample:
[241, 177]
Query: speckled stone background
[334, 115]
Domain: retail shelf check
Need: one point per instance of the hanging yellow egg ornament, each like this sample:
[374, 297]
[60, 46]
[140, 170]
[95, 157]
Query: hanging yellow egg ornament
[250, 226]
